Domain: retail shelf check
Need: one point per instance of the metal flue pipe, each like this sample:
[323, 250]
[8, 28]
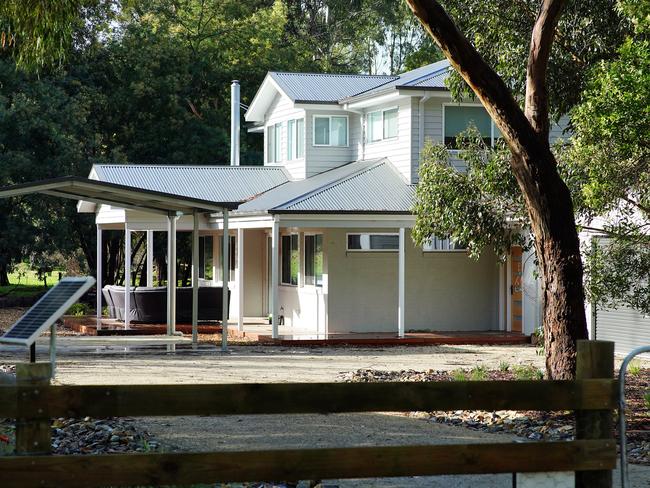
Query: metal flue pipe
[234, 123]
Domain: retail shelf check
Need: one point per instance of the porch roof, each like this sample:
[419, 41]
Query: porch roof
[123, 196]
[371, 186]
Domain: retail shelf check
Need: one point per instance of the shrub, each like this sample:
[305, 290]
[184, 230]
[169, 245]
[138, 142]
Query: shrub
[78, 310]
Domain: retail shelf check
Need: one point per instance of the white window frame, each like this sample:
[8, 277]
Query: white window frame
[293, 144]
[278, 138]
[427, 247]
[304, 257]
[282, 283]
[368, 131]
[313, 130]
[464, 104]
[347, 241]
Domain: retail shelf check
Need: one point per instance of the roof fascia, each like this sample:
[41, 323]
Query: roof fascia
[307, 105]
[386, 96]
[257, 108]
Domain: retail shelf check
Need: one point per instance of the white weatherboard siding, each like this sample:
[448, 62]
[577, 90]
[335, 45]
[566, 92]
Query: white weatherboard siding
[625, 326]
[281, 111]
[397, 150]
[444, 291]
[323, 158]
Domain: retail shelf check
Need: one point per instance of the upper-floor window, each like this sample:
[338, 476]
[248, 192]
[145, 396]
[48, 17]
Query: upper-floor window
[458, 118]
[330, 130]
[296, 139]
[273, 143]
[373, 242]
[382, 124]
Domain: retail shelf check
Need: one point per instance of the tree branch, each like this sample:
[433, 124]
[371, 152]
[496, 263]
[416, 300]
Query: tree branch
[538, 55]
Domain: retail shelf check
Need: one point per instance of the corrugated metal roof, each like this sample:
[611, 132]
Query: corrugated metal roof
[430, 76]
[378, 188]
[211, 183]
[323, 87]
[362, 186]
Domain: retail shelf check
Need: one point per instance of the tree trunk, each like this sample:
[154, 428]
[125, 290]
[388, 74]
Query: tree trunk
[4, 275]
[547, 198]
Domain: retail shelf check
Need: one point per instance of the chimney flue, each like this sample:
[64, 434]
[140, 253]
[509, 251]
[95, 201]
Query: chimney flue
[234, 123]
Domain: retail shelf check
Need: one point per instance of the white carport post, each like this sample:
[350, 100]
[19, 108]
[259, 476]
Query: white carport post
[240, 278]
[275, 268]
[401, 283]
[127, 276]
[195, 280]
[99, 263]
[225, 274]
[149, 258]
[171, 273]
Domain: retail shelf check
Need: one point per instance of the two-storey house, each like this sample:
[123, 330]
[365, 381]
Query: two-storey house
[321, 239]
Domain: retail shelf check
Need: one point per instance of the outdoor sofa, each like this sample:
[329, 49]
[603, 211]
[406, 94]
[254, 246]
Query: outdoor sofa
[149, 304]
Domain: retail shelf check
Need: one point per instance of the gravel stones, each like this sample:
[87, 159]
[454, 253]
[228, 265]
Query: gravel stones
[529, 425]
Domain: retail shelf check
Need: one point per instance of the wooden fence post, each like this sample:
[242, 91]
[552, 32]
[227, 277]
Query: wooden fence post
[33, 425]
[595, 360]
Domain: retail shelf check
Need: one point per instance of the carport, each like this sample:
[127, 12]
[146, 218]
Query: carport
[163, 204]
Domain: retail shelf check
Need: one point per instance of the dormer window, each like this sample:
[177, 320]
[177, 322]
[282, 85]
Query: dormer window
[273, 143]
[330, 130]
[382, 124]
[295, 139]
[458, 118]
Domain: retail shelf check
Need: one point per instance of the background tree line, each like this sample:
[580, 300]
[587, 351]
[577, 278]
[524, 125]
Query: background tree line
[148, 82]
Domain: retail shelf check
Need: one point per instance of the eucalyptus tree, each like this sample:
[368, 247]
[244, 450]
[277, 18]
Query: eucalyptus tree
[545, 75]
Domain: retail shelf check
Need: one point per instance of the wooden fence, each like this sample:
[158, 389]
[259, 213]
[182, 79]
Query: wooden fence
[34, 402]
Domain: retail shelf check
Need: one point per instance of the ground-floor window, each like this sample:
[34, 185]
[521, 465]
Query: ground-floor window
[437, 244]
[290, 260]
[373, 242]
[232, 255]
[314, 259]
[205, 257]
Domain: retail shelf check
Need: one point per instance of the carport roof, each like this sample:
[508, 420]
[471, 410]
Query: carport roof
[117, 195]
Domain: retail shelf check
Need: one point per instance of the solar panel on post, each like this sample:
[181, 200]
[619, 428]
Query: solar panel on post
[47, 310]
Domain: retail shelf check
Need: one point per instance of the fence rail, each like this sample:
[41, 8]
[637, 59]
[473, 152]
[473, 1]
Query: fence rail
[246, 399]
[33, 402]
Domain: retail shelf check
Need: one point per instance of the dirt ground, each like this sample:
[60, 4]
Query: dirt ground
[285, 364]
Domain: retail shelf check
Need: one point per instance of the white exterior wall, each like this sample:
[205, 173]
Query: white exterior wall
[398, 150]
[323, 158]
[280, 111]
[444, 291]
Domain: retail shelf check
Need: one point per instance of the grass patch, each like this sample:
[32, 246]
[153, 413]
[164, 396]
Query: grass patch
[528, 373]
[478, 373]
[634, 368]
[25, 282]
[459, 375]
[504, 366]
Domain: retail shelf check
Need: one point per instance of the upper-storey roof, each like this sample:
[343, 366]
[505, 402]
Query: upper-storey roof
[324, 87]
[338, 89]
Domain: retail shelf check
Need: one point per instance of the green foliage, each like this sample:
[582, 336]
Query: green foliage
[478, 373]
[504, 366]
[646, 399]
[501, 30]
[634, 368]
[528, 372]
[79, 310]
[475, 207]
[459, 375]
